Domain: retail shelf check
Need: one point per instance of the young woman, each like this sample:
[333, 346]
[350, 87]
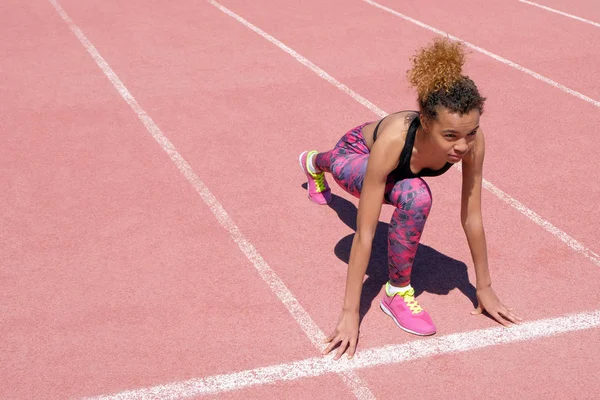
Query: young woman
[383, 162]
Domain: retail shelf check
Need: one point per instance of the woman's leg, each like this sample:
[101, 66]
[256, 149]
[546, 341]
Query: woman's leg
[315, 164]
[347, 161]
[412, 199]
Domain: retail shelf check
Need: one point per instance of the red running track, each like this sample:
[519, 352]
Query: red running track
[117, 274]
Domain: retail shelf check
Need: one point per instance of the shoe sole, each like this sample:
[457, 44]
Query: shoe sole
[388, 312]
[300, 162]
[306, 174]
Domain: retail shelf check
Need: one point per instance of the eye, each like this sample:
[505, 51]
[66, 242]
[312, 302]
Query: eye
[450, 135]
[472, 133]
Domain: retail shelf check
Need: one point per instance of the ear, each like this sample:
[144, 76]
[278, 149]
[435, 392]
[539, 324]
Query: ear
[424, 122]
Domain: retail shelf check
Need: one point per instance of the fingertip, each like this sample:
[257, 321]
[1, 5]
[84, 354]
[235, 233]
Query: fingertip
[515, 319]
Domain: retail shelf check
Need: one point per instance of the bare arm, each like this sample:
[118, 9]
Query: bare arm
[470, 213]
[383, 158]
[472, 223]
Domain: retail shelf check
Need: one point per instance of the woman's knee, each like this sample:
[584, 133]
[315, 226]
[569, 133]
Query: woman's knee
[411, 194]
[349, 172]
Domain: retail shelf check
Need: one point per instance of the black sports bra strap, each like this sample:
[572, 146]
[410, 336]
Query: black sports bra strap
[379, 123]
[376, 129]
[409, 142]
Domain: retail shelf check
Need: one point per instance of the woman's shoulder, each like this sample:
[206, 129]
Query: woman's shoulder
[394, 126]
[399, 122]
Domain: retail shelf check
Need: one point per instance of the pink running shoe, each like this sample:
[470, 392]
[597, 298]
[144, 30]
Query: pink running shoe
[318, 189]
[407, 313]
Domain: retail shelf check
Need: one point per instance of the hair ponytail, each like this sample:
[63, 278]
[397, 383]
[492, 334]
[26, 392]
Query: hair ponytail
[436, 74]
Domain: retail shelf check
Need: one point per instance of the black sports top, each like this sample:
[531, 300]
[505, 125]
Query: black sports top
[403, 170]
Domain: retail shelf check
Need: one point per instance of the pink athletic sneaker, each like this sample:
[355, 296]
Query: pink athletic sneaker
[318, 189]
[407, 313]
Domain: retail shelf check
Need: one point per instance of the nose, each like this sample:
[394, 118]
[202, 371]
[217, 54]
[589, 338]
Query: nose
[461, 146]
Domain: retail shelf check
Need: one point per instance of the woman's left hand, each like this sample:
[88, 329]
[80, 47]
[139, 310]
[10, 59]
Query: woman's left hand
[489, 302]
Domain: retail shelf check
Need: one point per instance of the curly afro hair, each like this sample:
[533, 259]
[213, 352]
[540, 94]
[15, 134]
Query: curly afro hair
[437, 75]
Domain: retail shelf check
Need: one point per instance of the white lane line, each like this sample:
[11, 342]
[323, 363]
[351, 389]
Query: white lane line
[489, 54]
[303, 60]
[386, 355]
[312, 331]
[587, 21]
[556, 232]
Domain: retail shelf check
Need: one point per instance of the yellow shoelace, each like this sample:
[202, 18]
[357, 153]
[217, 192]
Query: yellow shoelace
[319, 181]
[411, 302]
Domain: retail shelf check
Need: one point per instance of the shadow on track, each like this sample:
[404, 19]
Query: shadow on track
[432, 271]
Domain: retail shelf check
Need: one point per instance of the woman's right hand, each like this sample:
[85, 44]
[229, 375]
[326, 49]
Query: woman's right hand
[346, 334]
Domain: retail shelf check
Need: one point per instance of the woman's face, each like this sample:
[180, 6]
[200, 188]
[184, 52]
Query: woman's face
[453, 135]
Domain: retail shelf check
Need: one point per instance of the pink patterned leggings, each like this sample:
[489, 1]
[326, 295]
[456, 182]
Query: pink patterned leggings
[347, 163]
